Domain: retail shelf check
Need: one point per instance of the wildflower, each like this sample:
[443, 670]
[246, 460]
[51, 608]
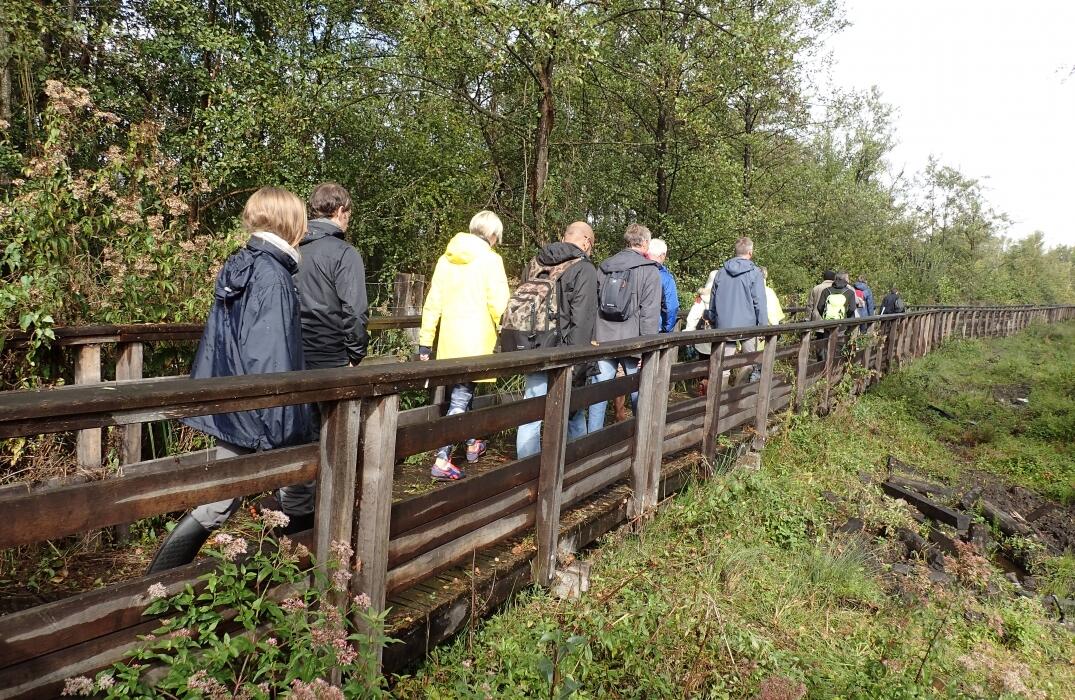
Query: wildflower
[233, 550]
[316, 690]
[340, 579]
[341, 550]
[184, 633]
[293, 605]
[271, 642]
[106, 681]
[345, 653]
[157, 591]
[363, 601]
[301, 552]
[274, 518]
[222, 539]
[79, 685]
[321, 636]
[156, 222]
[207, 685]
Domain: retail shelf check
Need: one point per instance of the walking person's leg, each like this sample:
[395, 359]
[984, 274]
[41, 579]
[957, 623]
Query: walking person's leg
[630, 366]
[606, 370]
[458, 402]
[181, 545]
[528, 438]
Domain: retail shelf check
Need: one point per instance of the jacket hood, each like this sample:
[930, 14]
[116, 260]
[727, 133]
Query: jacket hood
[464, 248]
[626, 259]
[739, 266]
[316, 229]
[239, 268]
[558, 252]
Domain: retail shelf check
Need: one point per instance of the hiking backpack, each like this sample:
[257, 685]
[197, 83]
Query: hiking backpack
[532, 317]
[615, 301]
[860, 298]
[835, 306]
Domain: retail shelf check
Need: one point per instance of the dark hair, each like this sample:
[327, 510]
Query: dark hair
[327, 198]
[895, 291]
[829, 275]
[862, 278]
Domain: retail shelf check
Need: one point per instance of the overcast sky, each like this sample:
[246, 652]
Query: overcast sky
[983, 85]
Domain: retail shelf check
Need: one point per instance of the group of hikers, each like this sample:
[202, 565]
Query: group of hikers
[294, 297]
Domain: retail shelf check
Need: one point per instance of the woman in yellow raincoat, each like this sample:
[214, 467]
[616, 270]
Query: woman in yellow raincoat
[467, 297]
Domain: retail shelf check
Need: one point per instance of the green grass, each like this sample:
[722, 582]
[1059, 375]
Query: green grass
[740, 583]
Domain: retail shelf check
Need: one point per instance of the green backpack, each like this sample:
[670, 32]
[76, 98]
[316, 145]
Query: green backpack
[835, 306]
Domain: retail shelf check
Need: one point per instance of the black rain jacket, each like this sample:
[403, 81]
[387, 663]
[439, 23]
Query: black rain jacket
[332, 292]
[253, 328]
[577, 291]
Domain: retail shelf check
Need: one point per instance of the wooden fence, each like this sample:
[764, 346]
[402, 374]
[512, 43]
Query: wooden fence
[364, 434]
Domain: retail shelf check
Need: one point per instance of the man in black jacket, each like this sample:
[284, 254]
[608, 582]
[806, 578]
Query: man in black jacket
[333, 309]
[331, 284]
[576, 292]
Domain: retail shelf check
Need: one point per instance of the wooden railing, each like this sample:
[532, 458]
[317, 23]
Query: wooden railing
[364, 434]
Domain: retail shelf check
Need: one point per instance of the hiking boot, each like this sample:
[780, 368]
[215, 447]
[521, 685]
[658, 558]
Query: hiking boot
[180, 546]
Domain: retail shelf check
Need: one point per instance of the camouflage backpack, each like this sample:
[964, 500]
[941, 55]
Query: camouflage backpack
[531, 319]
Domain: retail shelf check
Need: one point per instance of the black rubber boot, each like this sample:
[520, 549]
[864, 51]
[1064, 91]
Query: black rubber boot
[180, 546]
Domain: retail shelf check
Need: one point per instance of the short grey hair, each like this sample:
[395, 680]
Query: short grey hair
[636, 236]
[744, 246]
[657, 247]
[487, 225]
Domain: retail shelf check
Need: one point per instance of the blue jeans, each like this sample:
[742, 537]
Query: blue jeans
[606, 370]
[461, 397]
[528, 439]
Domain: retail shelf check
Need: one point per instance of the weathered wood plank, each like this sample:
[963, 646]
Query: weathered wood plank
[713, 397]
[88, 371]
[551, 473]
[67, 510]
[421, 437]
[761, 420]
[374, 499]
[335, 504]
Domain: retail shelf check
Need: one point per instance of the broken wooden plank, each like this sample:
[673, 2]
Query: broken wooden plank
[929, 508]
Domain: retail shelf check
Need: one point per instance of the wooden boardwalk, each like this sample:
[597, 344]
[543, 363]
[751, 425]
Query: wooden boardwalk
[512, 522]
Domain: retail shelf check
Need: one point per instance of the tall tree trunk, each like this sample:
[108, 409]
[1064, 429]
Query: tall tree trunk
[5, 75]
[540, 174]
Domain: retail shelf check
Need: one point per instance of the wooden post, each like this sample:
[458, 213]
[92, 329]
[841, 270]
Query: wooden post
[712, 400]
[380, 417]
[801, 370]
[765, 388]
[128, 367]
[649, 438]
[551, 473]
[657, 418]
[88, 371]
[830, 362]
[334, 509]
[408, 295]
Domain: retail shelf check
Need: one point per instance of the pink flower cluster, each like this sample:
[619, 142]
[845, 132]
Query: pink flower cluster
[342, 551]
[157, 591]
[274, 518]
[317, 690]
[80, 685]
[340, 577]
[363, 601]
[231, 547]
[208, 686]
[293, 605]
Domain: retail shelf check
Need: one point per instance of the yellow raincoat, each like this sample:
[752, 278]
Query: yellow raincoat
[467, 297]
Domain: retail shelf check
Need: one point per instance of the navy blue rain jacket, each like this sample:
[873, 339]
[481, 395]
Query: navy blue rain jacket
[253, 328]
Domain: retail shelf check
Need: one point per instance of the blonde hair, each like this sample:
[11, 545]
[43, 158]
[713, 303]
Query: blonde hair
[278, 211]
[487, 225]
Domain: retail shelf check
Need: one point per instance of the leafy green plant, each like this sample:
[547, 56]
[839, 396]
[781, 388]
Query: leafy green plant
[263, 622]
[561, 650]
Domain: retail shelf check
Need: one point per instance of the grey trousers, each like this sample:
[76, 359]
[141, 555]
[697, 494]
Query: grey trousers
[294, 500]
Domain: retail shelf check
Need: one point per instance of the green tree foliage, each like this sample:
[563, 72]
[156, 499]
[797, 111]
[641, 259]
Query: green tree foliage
[133, 131]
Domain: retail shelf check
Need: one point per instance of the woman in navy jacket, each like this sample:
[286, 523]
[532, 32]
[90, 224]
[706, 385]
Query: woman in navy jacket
[253, 328]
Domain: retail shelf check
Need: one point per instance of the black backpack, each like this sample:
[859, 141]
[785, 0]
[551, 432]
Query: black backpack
[532, 317]
[615, 302]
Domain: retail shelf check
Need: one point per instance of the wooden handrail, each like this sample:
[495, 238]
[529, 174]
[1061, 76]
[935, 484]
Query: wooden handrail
[364, 433]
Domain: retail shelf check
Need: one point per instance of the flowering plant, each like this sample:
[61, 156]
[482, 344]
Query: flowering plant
[263, 625]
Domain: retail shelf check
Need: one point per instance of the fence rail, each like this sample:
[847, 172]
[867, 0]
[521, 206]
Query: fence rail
[364, 435]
